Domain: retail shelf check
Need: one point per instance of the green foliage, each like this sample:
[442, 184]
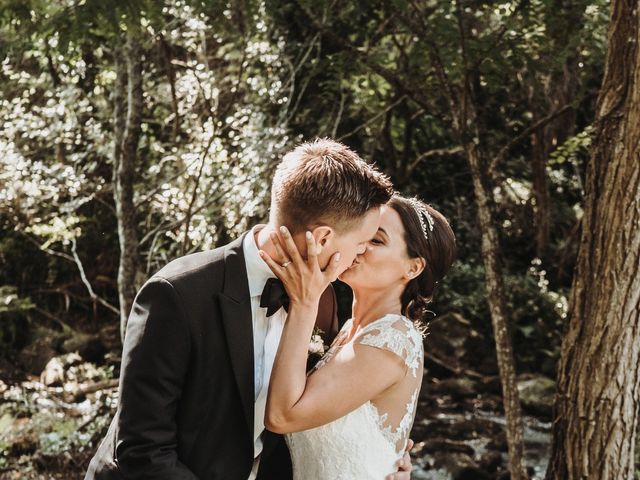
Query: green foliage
[538, 316]
[228, 87]
[537, 313]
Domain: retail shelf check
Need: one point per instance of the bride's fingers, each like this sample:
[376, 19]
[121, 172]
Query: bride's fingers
[331, 272]
[277, 243]
[312, 250]
[275, 267]
[290, 246]
[410, 444]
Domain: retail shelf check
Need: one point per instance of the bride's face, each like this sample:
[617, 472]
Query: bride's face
[385, 262]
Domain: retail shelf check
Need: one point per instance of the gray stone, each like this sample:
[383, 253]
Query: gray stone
[536, 396]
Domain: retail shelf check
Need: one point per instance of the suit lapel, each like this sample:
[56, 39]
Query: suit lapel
[235, 303]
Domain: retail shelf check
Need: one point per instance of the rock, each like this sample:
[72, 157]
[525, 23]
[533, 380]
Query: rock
[54, 373]
[455, 429]
[474, 428]
[458, 387]
[537, 395]
[505, 475]
[434, 445]
[460, 465]
[88, 346]
[485, 403]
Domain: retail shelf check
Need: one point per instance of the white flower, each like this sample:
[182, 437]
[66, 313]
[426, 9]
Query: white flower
[316, 345]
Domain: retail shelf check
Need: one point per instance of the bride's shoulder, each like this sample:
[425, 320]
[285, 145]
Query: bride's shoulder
[396, 322]
[397, 334]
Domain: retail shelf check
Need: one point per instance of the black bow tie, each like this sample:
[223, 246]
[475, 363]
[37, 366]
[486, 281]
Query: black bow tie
[274, 296]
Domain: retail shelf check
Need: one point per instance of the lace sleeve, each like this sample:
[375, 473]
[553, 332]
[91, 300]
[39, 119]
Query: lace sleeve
[395, 334]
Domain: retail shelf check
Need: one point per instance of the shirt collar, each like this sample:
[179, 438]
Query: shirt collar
[258, 272]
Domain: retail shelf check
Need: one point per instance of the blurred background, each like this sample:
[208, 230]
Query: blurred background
[134, 132]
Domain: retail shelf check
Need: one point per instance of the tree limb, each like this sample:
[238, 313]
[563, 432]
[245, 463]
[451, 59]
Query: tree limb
[524, 134]
[436, 152]
[85, 280]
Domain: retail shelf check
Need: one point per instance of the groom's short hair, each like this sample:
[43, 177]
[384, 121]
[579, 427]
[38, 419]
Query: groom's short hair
[323, 182]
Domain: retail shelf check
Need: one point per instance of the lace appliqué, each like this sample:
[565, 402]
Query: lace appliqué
[399, 436]
[398, 335]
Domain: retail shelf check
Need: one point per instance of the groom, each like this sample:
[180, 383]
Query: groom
[203, 333]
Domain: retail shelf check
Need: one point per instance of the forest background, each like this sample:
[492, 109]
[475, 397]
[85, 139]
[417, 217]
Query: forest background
[135, 131]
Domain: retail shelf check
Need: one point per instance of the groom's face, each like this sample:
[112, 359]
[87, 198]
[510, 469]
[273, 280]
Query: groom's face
[350, 242]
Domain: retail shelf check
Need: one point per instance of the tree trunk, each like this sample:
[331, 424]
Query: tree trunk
[596, 404]
[499, 318]
[467, 126]
[127, 121]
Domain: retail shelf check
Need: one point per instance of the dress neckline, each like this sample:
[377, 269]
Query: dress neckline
[368, 325]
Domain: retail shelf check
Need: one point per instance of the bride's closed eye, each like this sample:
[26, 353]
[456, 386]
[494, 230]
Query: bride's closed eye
[376, 241]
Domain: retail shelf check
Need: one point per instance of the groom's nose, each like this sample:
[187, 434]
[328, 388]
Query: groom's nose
[362, 247]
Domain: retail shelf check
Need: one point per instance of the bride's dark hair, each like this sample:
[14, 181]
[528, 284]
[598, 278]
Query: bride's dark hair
[438, 249]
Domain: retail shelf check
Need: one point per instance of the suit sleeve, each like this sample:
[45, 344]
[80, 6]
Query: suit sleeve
[155, 359]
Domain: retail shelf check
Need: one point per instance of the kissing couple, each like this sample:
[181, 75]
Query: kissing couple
[214, 381]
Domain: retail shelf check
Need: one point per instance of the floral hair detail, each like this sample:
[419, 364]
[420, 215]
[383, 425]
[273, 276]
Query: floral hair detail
[422, 212]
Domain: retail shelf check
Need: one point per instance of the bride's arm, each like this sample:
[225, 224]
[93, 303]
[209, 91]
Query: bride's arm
[358, 373]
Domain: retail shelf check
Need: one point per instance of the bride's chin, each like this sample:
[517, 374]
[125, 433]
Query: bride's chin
[349, 275]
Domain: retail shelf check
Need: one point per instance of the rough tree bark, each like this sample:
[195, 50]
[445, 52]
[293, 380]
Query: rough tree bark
[499, 317]
[127, 98]
[496, 299]
[596, 404]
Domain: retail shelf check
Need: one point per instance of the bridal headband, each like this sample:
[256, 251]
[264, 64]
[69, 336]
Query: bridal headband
[422, 212]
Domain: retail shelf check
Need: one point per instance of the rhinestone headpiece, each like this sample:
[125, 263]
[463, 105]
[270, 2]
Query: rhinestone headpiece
[422, 213]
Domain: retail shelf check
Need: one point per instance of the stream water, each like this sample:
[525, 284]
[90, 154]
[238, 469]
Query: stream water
[537, 438]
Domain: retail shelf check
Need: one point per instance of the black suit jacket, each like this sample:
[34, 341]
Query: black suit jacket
[186, 402]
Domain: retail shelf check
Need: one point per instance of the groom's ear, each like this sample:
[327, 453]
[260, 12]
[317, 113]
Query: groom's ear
[322, 234]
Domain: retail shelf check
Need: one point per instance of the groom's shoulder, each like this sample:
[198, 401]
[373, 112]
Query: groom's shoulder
[203, 266]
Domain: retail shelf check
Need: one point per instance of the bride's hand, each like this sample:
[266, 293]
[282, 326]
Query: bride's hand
[303, 279]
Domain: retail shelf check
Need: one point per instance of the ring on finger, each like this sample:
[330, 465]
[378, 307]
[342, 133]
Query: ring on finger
[286, 264]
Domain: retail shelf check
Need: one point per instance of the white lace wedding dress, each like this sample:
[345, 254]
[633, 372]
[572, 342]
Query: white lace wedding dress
[367, 442]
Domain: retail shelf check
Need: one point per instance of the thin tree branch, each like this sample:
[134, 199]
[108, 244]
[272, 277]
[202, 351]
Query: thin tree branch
[524, 134]
[85, 280]
[47, 249]
[339, 115]
[373, 119]
[436, 152]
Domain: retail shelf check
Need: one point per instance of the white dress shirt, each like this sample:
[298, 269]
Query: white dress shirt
[266, 337]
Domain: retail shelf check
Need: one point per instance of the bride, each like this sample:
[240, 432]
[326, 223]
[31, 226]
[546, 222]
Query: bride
[350, 416]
